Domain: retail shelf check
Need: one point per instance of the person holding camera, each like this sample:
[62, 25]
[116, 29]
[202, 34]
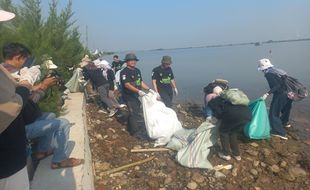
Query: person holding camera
[44, 127]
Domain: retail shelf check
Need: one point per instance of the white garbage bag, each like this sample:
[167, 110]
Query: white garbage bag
[160, 122]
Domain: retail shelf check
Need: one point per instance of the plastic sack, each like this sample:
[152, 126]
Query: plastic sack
[160, 122]
[236, 97]
[195, 145]
[259, 127]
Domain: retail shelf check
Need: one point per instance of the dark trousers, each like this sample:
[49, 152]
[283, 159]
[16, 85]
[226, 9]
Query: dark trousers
[136, 125]
[279, 113]
[229, 140]
[166, 96]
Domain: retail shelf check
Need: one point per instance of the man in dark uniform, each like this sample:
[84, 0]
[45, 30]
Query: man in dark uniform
[116, 64]
[132, 83]
[163, 81]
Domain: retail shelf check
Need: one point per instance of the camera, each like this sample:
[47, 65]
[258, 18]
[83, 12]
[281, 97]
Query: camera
[59, 77]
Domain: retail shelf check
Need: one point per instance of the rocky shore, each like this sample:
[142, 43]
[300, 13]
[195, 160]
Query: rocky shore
[265, 164]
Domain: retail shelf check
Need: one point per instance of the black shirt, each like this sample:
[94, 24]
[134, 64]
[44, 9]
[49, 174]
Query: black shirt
[117, 65]
[163, 77]
[13, 142]
[132, 76]
[276, 83]
[95, 76]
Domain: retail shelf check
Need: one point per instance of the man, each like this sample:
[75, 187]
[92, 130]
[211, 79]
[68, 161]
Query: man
[116, 64]
[44, 127]
[13, 172]
[281, 105]
[133, 85]
[163, 81]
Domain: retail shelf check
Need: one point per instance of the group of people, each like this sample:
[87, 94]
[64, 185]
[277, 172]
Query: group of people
[21, 120]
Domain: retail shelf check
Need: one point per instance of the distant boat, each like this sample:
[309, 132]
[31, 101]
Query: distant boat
[257, 43]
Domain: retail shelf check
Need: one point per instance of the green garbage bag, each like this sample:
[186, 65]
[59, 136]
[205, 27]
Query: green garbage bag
[259, 127]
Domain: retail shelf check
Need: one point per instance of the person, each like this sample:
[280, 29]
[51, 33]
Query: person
[116, 64]
[42, 126]
[14, 97]
[133, 86]
[232, 119]
[99, 78]
[216, 92]
[163, 81]
[281, 105]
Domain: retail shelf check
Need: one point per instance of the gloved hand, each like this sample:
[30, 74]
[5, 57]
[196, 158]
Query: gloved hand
[31, 74]
[141, 93]
[265, 96]
[152, 91]
[175, 90]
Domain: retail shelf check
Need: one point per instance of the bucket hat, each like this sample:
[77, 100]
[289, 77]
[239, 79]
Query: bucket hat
[5, 15]
[166, 60]
[130, 56]
[264, 64]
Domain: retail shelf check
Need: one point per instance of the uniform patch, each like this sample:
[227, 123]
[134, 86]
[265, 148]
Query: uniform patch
[124, 77]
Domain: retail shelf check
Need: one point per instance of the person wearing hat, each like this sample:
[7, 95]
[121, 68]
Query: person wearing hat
[133, 86]
[163, 81]
[281, 105]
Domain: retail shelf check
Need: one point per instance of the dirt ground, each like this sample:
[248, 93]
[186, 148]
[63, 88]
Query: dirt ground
[265, 164]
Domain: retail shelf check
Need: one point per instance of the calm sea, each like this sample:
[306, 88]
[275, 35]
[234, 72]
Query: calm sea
[194, 68]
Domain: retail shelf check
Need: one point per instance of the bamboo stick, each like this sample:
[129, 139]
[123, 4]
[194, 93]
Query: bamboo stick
[128, 165]
[150, 150]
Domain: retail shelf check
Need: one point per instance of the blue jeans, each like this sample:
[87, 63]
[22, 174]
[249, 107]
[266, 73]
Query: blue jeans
[51, 132]
[279, 113]
[207, 111]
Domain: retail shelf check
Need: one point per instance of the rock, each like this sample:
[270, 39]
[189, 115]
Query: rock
[192, 185]
[274, 168]
[257, 188]
[218, 174]
[153, 184]
[137, 147]
[102, 166]
[266, 152]
[197, 177]
[254, 144]
[168, 180]
[252, 152]
[137, 168]
[234, 172]
[283, 164]
[99, 136]
[263, 164]
[286, 176]
[98, 122]
[297, 172]
[254, 172]
[255, 163]
[162, 188]
[188, 174]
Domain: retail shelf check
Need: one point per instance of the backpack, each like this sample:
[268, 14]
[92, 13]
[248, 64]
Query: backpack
[294, 89]
[217, 82]
[236, 97]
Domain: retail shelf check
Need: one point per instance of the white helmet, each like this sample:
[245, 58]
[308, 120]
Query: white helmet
[264, 64]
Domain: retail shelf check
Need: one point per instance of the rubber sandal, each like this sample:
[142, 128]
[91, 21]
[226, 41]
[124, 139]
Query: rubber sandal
[68, 163]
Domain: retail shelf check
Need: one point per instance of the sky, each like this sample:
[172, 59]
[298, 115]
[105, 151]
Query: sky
[119, 25]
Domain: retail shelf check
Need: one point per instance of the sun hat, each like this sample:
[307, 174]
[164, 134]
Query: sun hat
[5, 15]
[130, 57]
[217, 90]
[264, 64]
[50, 65]
[166, 60]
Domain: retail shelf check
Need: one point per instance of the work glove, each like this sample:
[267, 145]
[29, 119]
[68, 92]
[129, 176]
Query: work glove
[265, 96]
[152, 91]
[141, 93]
[31, 74]
[175, 90]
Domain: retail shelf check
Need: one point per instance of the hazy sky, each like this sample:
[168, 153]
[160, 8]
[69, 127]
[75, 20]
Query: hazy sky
[116, 25]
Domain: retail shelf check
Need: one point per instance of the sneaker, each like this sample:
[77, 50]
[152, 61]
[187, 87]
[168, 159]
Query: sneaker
[280, 136]
[238, 158]
[122, 106]
[288, 125]
[112, 112]
[221, 155]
